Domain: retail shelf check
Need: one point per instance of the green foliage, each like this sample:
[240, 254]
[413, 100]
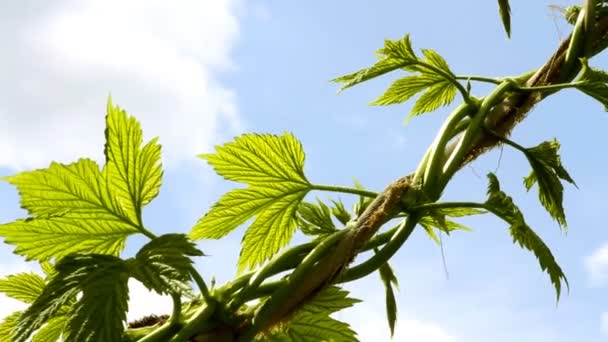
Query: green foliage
[504, 9]
[133, 172]
[340, 212]
[315, 219]
[273, 167]
[163, 264]
[594, 83]
[435, 219]
[434, 77]
[313, 321]
[25, 287]
[395, 54]
[502, 205]
[7, 325]
[387, 275]
[52, 331]
[547, 170]
[77, 207]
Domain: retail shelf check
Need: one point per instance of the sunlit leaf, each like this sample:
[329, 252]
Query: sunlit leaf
[340, 212]
[52, 330]
[133, 172]
[439, 222]
[25, 287]
[396, 54]
[440, 94]
[547, 170]
[502, 205]
[43, 239]
[7, 325]
[273, 167]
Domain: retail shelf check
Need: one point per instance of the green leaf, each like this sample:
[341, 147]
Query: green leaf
[48, 268]
[593, 83]
[437, 220]
[502, 205]
[7, 325]
[133, 172]
[405, 88]
[387, 275]
[547, 170]
[52, 330]
[340, 212]
[442, 93]
[460, 212]
[43, 239]
[163, 264]
[315, 219]
[505, 15]
[273, 167]
[396, 54]
[313, 323]
[25, 287]
[100, 312]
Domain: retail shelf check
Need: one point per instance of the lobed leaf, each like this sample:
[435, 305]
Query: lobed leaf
[312, 322]
[52, 331]
[396, 54]
[315, 219]
[502, 205]
[25, 287]
[547, 170]
[133, 172]
[273, 167]
[43, 239]
[100, 312]
[163, 264]
[8, 325]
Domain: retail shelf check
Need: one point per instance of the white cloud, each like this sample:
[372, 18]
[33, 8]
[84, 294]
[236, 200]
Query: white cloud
[158, 60]
[604, 323]
[596, 265]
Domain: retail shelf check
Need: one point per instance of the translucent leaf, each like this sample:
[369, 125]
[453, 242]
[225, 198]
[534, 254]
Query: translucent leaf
[163, 264]
[273, 167]
[7, 325]
[438, 95]
[502, 205]
[387, 275]
[460, 212]
[52, 330]
[593, 83]
[547, 170]
[25, 287]
[405, 88]
[313, 322]
[315, 219]
[505, 15]
[100, 312]
[133, 172]
[43, 239]
[395, 55]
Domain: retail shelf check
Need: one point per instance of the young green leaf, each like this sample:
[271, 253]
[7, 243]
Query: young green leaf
[43, 239]
[396, 54]
[52, 331]
[502, 205]
[593, 83]
[547, 170]
[313, 322]
[315, 219]
[437, 220]
[134, 173]
[387, 275]
[273, 167]
[440, 94]
[505, 15]
[100, 312]
[340, 212]
[405, 88]
[163, 264]
[7, 326]
[25, 287]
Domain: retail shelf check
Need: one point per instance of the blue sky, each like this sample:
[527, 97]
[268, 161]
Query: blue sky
[198, 74]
